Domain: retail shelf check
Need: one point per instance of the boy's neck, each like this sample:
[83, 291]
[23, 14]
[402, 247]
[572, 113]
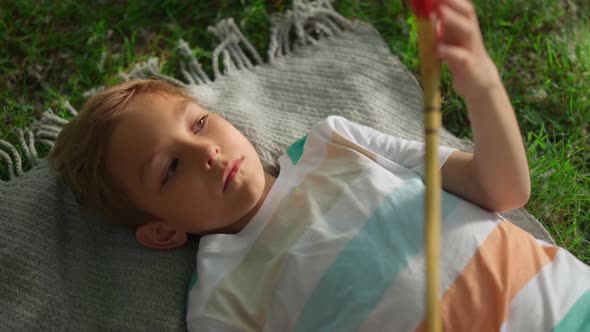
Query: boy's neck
[236, 227]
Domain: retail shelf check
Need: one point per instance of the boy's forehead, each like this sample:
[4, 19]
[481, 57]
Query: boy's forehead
[148, 120]
[160, 101]
[131, 131]
[154, 97]
[139, 124]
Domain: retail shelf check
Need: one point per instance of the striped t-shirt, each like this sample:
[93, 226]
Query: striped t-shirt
[338, 246]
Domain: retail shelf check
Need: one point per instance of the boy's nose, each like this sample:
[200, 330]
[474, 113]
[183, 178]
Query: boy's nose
[212, 155]
[203, 155]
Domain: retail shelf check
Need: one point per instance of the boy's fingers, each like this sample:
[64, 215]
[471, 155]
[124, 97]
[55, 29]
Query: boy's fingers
[455, 26]
[457, 58]
[437, 26]
[464, 7]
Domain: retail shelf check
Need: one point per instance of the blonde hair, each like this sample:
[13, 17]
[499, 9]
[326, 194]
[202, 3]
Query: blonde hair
[79, 154]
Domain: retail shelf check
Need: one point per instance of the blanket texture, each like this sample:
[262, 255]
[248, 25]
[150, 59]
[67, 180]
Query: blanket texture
[64, 269]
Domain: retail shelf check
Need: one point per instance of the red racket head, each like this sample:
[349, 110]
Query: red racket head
[422, 8]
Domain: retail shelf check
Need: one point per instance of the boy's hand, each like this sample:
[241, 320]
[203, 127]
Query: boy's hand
[461, 46]
[495, 176]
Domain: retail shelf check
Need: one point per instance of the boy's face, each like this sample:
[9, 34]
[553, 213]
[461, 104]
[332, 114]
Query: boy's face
[191, 169]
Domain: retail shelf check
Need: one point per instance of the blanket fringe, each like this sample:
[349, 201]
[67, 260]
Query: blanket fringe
[28, 146]
[308, 19]
[43, 131]
[149, 69]
[6, 159]
[305, 24]
[50, 124]
[192, 71]
[12, 158]
[234, 57]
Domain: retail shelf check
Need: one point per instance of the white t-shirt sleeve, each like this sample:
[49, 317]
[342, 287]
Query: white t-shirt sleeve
[407, 153]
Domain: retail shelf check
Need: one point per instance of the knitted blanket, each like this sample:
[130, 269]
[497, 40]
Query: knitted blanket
[64, 269]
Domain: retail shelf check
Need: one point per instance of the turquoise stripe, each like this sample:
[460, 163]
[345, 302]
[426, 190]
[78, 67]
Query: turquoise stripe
[295, 150]
[578, 317]
[191, 284]
[192, 281]
[353, 285]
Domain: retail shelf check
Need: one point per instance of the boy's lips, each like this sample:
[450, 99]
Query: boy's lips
[230, 171]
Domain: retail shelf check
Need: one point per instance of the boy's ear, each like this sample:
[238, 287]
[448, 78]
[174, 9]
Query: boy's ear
[157, 235]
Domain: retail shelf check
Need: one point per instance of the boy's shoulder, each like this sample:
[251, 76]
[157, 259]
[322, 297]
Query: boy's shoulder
[333, 120]
[324, 130]
[336, 123]
[339, 127]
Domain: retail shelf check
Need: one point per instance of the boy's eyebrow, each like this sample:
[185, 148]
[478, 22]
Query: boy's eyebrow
[144, 169]
[179, 112]
[181, 108]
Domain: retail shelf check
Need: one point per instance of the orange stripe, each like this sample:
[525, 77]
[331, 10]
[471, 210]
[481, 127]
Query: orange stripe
[480, 297]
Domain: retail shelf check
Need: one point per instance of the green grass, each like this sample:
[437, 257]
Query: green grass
[55, 50]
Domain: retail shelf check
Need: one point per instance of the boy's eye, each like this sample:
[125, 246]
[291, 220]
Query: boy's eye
[201, 123]
[171, 170]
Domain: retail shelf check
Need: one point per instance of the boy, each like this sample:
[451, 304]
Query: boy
[332, 243]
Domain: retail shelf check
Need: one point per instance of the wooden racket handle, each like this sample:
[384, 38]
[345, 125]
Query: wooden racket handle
[430, 69]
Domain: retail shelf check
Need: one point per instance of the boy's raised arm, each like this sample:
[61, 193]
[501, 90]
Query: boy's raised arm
[496, 175]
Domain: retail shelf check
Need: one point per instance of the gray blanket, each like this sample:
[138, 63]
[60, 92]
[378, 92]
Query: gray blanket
[63, 269]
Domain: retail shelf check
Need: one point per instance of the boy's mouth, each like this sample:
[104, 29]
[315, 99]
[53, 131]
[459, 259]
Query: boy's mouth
[230, 171]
